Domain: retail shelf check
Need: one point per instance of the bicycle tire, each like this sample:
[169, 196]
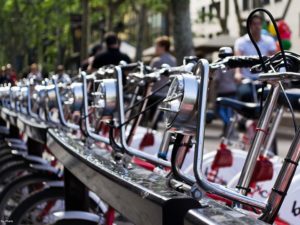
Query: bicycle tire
[49, 193]
[9, 160]
[21, 182]
[9, 171]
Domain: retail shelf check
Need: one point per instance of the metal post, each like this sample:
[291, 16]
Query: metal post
[76, 193]
[34, 148]
[2, 122]
[13, 131]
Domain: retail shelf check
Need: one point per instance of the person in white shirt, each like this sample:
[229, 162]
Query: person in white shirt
[34, 72]
[62, 77]
[244, 47]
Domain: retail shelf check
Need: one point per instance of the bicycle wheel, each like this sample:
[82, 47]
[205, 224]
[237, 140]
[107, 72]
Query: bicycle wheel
[20, 188]
[12, 172]
[39, 207]
[8, 160]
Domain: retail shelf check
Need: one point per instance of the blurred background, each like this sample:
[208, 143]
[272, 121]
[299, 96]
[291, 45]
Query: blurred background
[50, 32]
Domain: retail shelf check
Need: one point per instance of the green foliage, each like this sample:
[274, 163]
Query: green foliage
[44, 25]
[28, 24]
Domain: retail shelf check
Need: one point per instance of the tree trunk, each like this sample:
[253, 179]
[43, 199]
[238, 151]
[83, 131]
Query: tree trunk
[183, 38]
[85, 30]
[140, 32]
[286, 9]
[238, 16]
[111, 13]
[222, 21]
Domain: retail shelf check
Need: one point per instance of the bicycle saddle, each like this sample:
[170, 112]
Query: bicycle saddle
[247, 109]
[293, 95]
[210, 116]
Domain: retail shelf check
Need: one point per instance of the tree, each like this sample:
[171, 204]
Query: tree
[222, 21]
[183, 38]
[40, 30]
[30, 29]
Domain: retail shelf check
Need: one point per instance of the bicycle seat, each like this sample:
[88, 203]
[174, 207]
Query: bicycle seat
[293, 95]
[210, 116]
[247, 109]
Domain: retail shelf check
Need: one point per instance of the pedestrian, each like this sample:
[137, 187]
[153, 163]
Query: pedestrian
[88, 63]
[61, 76]
[244, 47]
[163, 57]
[10, 74]
[34, 73]
[162, 52]
[3, 75]
[112, 55]
[225, 86]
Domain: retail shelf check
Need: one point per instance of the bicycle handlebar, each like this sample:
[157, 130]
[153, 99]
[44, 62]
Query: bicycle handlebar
[236, 62]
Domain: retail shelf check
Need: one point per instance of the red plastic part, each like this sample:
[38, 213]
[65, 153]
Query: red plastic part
[263, 170]
[148, 140]
[223, 158]
[143, 163]
[110, 216]
[279, 221]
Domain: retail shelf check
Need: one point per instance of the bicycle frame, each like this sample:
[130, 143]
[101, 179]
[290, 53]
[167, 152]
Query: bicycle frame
[121, 114]
[94, 136]
[60, 110]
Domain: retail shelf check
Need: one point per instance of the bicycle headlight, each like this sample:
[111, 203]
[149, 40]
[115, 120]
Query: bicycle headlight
[180, 105]
[39, 97]
[23, 98]
[51, 97]
[4, 92]
[14, 95]
[72, 97]
[105, 98]
[77, 96]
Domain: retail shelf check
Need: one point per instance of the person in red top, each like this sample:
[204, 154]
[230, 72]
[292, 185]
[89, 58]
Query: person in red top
[11, 74]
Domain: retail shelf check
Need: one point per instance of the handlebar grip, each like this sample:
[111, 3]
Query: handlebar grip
[130, 67]
[232, 62]
[184, 68]
[243, 61]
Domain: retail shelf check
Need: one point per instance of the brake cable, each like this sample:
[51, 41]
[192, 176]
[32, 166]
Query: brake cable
[142, 112]
[258, 50]
[144, 98]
